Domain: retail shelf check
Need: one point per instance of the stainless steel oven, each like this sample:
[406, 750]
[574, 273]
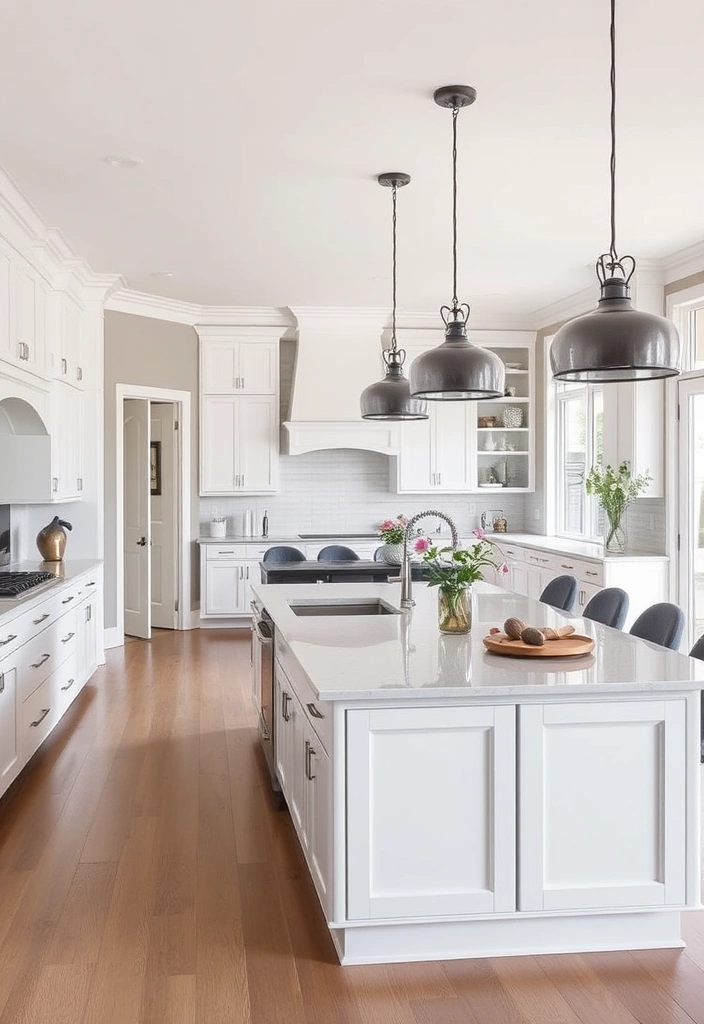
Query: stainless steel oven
[263, 681]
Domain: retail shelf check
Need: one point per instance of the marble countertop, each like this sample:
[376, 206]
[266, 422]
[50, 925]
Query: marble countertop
[382, 657]
[293, 538]
[65, 572]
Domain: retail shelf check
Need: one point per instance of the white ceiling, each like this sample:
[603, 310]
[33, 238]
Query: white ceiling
[262, 126]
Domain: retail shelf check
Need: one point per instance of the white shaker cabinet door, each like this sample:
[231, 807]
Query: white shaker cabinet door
[8, 353]
[222, 588]
[452, 445]
[318, 815]
[218, 367]
[258, 443]
[415, 458]
[258, 367]
[602, 820]
[9, 733]
[218, 424]
[430, 812]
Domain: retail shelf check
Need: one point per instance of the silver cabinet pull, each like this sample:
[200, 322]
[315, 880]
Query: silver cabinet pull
[9, 639]
[45, 712]
[285, 698]
[79, 373]
[66, 600]
[226, 552]
[2, 682]
[38, 664]
[247, 572]
[588, 573]
[69, 684]
[563, 565]
[54, 484]
[314, 711]
[26, 351]
[310, 753]
[67, 638]
[89, 613]
[79, 483]
[35, 622]
[439, 478]
[64, 366]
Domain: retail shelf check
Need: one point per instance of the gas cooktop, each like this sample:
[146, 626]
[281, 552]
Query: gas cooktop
[12, 584]
[336, 536]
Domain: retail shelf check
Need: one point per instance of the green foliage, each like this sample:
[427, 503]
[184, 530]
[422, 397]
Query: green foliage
[454, 571]
[615, 490]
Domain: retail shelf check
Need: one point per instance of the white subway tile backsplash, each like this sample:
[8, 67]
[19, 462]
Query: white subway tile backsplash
[345, 490]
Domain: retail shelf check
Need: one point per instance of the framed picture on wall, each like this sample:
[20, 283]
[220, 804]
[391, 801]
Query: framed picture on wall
[155, 467]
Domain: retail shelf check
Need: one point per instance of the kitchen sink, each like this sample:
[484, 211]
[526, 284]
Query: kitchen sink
[350, 607]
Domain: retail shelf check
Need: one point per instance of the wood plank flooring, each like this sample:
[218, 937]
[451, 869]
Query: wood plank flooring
[146, 877]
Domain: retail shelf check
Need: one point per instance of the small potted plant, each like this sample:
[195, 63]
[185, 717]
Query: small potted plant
[453, 572]
[615, 490]
[391, 534]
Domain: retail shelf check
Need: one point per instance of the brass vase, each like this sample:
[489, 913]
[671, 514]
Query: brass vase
[51, 541]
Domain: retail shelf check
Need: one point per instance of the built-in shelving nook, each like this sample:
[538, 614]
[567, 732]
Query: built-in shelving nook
[25, 453]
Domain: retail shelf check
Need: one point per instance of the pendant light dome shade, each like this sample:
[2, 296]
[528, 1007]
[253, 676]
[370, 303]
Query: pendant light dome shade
[456, 370]
[615, 342]
[390, 398]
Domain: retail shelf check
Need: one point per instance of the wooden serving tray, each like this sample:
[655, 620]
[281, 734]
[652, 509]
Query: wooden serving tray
[572, 646]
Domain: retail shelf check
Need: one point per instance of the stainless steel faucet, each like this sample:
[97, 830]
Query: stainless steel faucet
[405, 578]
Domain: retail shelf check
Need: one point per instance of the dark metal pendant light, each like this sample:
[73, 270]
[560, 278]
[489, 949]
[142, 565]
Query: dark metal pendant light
[390, 398]
[615, 342]
[457, 369]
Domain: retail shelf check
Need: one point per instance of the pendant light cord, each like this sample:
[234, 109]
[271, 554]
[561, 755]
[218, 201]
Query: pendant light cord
[394, 344]
[612, 166]
[455, 301]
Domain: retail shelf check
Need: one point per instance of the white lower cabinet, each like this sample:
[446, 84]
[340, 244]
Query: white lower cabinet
[51, 651]
[226, 586]
[602, 805]
[430, 812]
[10, 754]
[305, 774]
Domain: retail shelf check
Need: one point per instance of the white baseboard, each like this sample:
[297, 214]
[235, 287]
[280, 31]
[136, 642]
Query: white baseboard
[113, 637]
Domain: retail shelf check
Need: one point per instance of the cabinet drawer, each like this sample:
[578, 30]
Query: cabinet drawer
[66, 682]
[255, 552]
[592, 572]
[318, 713]
[41, 656]
[215, 552]
[510, 552]
[40, 713]
[544, 560]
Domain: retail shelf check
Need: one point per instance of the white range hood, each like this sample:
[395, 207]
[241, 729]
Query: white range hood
[338, 356]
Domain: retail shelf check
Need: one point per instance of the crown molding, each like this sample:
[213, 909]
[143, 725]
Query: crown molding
[683, 263]
[242, 332]
[160, 307]
[566, 308]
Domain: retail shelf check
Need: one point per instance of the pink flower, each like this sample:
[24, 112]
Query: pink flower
[388, 524]
[421, 544]
[479, 533]
[503, 569]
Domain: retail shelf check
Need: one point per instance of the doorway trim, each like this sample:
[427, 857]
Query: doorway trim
[182, 400]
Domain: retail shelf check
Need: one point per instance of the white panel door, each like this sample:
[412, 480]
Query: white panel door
[415, 458]
[9, 733]
[258, 367]
[223, 581]
[257, 443]
[218, 424]
[136, 519]
[451, 457]
[282, 730]
[431, 812]
[164, 517]
[218, 365]
[602, 820]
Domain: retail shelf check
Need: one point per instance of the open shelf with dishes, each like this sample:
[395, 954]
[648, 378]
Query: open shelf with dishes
[472, 447]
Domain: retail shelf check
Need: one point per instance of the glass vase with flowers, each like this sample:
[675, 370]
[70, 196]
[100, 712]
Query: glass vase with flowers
[615, 490]
[453, 571]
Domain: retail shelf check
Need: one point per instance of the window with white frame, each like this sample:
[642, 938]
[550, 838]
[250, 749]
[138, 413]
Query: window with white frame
[579, 444]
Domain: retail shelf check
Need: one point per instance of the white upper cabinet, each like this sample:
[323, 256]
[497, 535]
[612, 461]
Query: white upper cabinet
[233, 366]
[66, 443]
[67, 341]
[22, 313]
[473, 446]
[239, 444]
[239, 410]
[7, 352]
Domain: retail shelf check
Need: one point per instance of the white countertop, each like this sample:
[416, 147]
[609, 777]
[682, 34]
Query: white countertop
[565, 545]
[293, 538]
[65, 572]
[404, 656]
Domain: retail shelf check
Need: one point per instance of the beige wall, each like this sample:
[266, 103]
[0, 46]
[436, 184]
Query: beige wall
[139, 350]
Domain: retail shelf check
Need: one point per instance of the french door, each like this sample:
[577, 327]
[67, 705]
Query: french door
[690, 395]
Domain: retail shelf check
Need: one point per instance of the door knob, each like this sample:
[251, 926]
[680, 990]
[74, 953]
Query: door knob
[142, 542]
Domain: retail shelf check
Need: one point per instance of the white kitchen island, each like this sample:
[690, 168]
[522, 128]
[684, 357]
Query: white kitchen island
[453, 803]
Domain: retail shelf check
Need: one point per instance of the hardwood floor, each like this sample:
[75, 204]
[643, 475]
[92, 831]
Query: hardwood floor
[147, 876]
